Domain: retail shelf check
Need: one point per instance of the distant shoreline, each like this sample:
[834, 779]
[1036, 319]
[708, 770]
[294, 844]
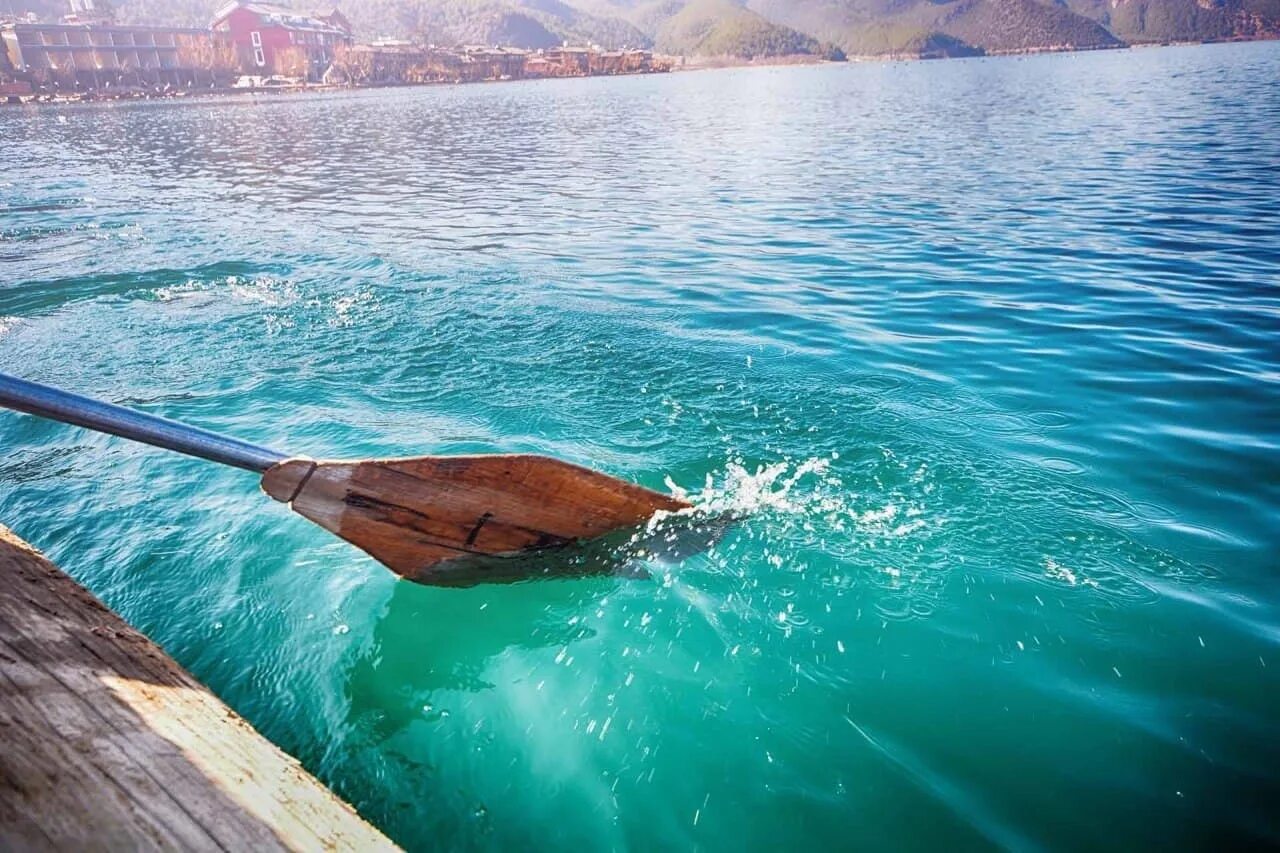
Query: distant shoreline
[1032, 51]
[713, 63]
[689, 65]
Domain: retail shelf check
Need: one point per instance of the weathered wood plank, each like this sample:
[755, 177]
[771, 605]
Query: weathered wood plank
[106, 743]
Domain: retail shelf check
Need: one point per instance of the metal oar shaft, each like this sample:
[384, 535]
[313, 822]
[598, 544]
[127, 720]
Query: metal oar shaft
[47, 402]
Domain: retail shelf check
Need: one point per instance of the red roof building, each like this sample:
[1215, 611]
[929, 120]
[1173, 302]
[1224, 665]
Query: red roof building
[275, 40]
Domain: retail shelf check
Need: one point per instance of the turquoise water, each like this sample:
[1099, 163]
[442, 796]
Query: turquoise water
[988, 348]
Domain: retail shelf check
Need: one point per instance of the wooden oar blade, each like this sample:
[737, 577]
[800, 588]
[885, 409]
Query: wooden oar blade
[426, 518]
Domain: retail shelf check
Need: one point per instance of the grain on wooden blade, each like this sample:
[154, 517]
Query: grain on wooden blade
[412, 514]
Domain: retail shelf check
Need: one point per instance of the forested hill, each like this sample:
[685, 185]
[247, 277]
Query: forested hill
[933, 27]
[765, 28]
[1138, 21]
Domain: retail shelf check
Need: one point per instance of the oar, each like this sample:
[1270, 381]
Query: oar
[428, 518]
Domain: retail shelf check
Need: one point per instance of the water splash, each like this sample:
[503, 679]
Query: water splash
[778, 487]
[263, 290]
[1057, 571]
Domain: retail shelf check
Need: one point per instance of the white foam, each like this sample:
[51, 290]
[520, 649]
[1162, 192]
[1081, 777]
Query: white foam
[739, 491]
[1057, 571]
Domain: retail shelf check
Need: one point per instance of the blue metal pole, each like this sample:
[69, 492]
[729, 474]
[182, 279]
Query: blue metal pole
[55, 404]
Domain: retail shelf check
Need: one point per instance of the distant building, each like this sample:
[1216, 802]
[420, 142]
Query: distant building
[628, 61]
[89, 51]
[494, 63]
[10, 87]
[272, 39]
[575, 61]
[388, 62]
[335, 18]
[588, 61]
[539, 66]
[380, 63]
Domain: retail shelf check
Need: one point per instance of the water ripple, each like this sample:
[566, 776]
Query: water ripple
[979, 356]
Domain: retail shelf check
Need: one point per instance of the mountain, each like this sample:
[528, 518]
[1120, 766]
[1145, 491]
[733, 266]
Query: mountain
[925, 27]
[766, 28]
[194, 13]
[710, 28]
[522, 23]
[1138, 21]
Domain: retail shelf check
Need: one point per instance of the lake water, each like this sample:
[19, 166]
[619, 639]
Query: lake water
[989, 348]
